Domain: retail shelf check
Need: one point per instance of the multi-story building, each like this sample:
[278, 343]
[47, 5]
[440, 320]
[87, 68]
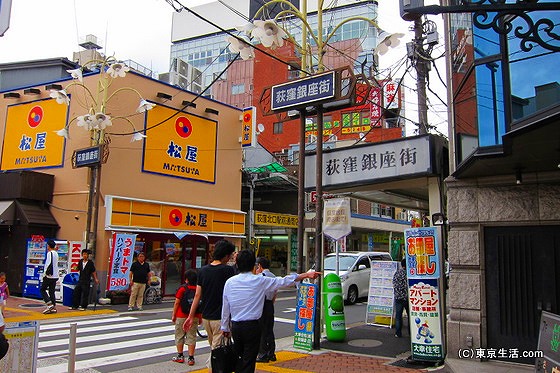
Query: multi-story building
[351, 44]
[241, 83]
[502, 202]
[177, 189]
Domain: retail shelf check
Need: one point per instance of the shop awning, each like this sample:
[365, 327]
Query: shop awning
[7, 212]
[36, 214]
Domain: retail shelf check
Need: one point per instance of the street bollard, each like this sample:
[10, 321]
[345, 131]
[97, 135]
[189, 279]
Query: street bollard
[72, 348]
[335, 325]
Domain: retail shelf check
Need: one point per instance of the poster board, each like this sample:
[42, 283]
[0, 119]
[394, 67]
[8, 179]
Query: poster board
[548, 344]
[380, 303]
[423, 266]
[23, 338]
[305, 316]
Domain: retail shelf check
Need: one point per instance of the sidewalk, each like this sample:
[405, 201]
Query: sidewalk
[366, 349]
[27, 309]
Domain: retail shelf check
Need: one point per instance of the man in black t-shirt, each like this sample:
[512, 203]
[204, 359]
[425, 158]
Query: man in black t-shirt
[86, 268]
[140, 274]
[210, 288]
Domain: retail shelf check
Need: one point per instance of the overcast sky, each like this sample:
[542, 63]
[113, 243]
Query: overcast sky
[140, 30]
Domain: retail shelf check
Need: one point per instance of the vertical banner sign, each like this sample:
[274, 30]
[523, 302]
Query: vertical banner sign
[122, 253]
[423, 271]
[75, 254]
[381, 296]
[390, 93]
[375, 107]
[248, 129]
[293, 252]
[305, 316]
[336, 218]
[23, 337]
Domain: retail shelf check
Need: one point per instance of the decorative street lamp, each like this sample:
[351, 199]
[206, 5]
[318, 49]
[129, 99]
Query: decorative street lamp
[271, 34]
[95, 120]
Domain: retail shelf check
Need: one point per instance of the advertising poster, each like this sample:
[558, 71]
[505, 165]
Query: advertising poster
[425, 320]
[23, 338]
[122, 253]
[380, 298]
[305, 316]
[423, 271]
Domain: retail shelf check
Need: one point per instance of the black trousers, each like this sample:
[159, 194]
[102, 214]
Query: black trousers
[267, 344]
[50, 285]
[81, 295]
[246, 338]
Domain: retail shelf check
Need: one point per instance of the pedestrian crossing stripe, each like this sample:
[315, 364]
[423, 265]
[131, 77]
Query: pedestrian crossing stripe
[53, 343]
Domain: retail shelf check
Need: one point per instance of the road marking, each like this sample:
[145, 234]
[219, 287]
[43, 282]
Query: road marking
[66, 323]
[118, 359]
[91, 329]
[103, 337]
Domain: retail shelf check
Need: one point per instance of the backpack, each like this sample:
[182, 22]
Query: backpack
[187, 300]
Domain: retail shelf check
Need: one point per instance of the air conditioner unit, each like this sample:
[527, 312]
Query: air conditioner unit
[182, 67]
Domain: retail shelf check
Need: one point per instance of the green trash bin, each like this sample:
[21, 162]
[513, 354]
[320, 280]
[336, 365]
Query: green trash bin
[333, 303]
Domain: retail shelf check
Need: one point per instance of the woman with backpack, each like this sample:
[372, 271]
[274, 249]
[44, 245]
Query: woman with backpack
[183, 302]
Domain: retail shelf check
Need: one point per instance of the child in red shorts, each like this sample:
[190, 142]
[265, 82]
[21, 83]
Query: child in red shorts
[178, 317]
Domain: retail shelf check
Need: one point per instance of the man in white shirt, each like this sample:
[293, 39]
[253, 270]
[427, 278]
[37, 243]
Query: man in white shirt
[50, 277]
[267, 344]
[243, 302]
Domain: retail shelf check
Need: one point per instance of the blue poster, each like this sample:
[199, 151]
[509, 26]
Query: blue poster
[305, 316]
[422, 253]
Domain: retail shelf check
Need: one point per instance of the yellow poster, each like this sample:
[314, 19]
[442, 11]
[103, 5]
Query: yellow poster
[30, 141]
[181, 145]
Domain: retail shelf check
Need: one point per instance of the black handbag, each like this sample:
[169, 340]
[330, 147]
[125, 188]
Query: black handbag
[4, 345]
[223, 358]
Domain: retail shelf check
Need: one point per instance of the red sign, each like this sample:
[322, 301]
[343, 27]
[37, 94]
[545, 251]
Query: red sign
[375, 111]
[75, 255]
[313, 196]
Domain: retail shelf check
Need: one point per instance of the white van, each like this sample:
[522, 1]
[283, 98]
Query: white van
[354, 270]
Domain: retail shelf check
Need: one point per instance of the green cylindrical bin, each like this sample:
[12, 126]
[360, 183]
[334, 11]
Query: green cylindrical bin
[335, 326]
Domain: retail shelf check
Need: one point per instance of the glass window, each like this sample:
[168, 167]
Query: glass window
[534, 75]
[278, 128]
[237, 89]
[486, 42]
[490, 104]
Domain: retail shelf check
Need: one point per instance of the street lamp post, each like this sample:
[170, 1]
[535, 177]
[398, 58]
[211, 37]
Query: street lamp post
[321, 42]
[95, 121]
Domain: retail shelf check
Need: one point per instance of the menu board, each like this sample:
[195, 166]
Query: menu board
[549, 344]
[379, 309]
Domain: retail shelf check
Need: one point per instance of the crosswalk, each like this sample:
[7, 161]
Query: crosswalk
[110, 341]
[107, 344]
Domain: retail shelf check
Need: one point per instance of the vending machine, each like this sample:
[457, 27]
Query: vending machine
[35, 258]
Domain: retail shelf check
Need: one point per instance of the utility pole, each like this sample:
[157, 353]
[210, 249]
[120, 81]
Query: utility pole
[421, 59]
[421, 65]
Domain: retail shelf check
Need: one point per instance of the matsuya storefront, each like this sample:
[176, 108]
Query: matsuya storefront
[174, 237]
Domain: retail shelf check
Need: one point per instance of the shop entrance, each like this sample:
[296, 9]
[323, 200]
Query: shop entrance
[190, 252]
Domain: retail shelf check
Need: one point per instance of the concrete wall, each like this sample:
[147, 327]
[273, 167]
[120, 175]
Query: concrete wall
[471, 206]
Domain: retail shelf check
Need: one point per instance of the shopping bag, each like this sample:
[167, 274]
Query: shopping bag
[223, 358]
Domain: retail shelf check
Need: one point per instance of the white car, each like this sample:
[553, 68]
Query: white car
[354, 270]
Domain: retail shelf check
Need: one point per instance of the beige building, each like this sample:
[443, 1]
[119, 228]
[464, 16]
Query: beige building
[178, 189]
